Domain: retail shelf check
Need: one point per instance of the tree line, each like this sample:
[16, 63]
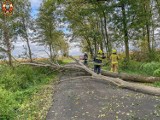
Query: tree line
[120, 24]
[126, 25]
[43, 28]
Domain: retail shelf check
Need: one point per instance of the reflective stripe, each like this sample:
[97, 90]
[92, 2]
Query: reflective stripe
[98, 60]
[97, 63]
[99, 57]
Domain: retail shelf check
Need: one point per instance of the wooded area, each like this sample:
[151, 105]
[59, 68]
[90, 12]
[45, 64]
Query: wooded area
[125, 25]
[130, 27]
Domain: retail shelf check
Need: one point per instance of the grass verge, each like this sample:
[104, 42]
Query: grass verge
[25, 92]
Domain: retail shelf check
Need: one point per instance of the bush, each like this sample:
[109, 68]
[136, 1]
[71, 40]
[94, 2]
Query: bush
[8, 79]
[23, 77]
[150, 68]
[8, 105]
[18, 85]
[131, 65]
[157, 84]
[157, 73]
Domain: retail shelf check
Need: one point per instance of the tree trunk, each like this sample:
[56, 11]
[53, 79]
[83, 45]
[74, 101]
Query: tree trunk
[153, 28]
[153, 39]
[147, 10]
[123, 84]
[148, 38]
[103, 27]
[132, 78]
[95, 45]
[50, 51]
[7, 42]
[29, 50]
[100, 41]
[115, 81]
[103, 34]
[90, 47]
[106, 33]
[27, 41]
[125, 30]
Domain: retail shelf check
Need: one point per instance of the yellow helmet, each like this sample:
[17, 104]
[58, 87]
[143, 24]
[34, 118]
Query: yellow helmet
[114, 51]
[100, 52]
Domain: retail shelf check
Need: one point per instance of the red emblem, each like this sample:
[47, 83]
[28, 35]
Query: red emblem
[7, 7]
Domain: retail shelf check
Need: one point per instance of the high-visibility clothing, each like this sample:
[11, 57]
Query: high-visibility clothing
[100, 52]
[98, 59]
[114, 58]
[114, 62]
[114, 67]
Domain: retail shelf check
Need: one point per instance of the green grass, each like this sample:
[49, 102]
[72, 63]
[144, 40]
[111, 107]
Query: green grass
[139, 68]
[17, 88]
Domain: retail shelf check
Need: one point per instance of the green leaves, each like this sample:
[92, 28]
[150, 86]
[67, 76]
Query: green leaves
[18, 85]
[47, 25]
[151, 68]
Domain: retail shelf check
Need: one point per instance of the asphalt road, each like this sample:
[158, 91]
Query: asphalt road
[93, 99]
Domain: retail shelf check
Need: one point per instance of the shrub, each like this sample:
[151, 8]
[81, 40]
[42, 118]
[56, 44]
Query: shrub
[150, 68]
[157, 84]
[18, 85]
[157, 72]
[8, 105]
[131, 65]
[9, 79]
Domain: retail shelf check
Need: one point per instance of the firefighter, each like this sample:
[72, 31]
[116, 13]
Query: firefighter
[98, 62]
[85, 58]
[114, 61]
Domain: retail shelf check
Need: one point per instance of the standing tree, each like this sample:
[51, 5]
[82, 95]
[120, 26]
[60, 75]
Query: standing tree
[10, 28]
[48, 34]
[26, 24]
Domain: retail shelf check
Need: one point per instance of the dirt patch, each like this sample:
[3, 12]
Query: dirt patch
[93, 99]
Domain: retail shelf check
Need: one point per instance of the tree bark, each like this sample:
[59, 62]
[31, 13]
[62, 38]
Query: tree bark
[132, 78]
[90, 47]
[147, 23]
[50, 51]
[103, 34]
[27, 41]
[101, 40]
[115, 81]
[148, 38]
[29, 50]
[125, 30]
[7, 42]
[95, 46]
[123, 84]
[106, 33]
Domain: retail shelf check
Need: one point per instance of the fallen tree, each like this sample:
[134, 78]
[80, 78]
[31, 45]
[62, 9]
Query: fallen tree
[133, 78]
[115, 81]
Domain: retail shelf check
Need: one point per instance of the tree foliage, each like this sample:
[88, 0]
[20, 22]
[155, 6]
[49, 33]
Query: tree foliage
[125, 25]
[48, 34]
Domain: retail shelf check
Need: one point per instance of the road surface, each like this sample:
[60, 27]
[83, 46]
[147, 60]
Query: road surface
[93, 99]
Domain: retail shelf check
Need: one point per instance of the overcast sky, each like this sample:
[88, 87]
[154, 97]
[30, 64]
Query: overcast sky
[39, 51]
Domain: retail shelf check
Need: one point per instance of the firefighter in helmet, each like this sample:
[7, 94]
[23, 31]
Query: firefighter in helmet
[98, 62]
[114, 61]
[85, 58]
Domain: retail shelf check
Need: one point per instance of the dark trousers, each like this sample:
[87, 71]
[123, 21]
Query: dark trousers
[97, 69]
[85, 62]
